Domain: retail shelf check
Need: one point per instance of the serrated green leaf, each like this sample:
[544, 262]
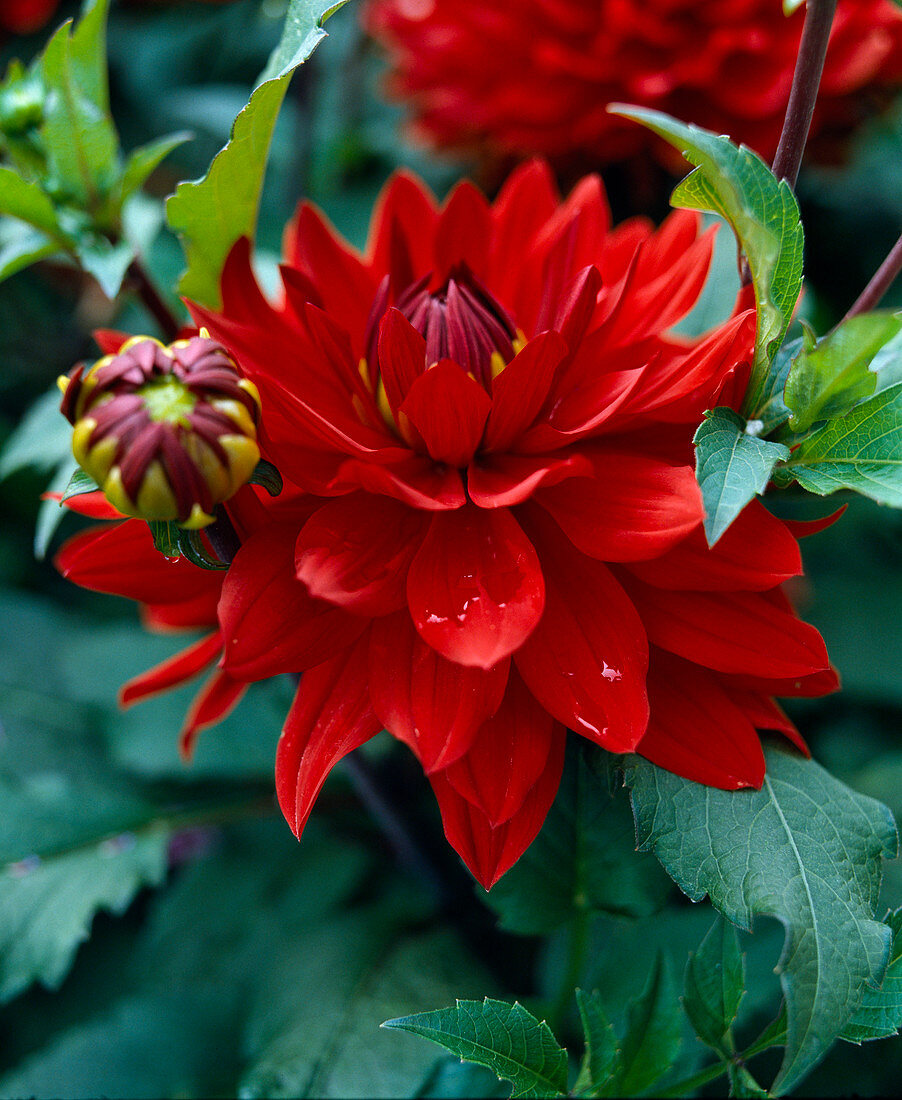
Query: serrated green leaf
[143, 160]
[302, 33]
[653, 1035]
[212, 213]
[861, 451]
[880, 1013]
[731, 467]
[26, 201]
[804, 849]
[736, 183]
[830, 379]
[772, 411]
[714, 984]
[583, 859]
[601, 1061]
[504, 1037]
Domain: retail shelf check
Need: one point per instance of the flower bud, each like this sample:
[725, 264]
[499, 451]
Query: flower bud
[166, 432]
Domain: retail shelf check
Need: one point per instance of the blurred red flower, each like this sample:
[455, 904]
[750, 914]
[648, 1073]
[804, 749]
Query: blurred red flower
[25, 16]
[490, 529]
[534, 76]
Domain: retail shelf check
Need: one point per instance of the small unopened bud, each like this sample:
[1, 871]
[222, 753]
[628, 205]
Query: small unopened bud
[166, 432]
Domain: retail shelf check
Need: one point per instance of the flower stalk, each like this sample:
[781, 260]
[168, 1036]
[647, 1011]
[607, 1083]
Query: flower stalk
[882, 280]
[803, 94]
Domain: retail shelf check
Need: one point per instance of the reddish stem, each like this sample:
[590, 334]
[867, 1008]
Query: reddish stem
[153, 300]
[805, 83]
[883, 279]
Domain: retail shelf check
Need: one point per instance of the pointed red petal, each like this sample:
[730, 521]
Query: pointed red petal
[635, 506]
[402, 356]
[475, 587]
[431, 704]
[738, 632]
[404, 220]
[586, 660]
[330, 717]
[270, 622]
[696, 730]
[508, 755]
[415, 480]
[218, 698]
[487, 851]
[355, 552]
[449, 410]
[122, 561]
[521, 389]
[765, 714]
[464, 232]
[176, 670]
[756, 552]
[802, 528]
[193, 614]
[94, 505]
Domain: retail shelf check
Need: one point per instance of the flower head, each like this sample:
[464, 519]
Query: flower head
[167, 432]
[535, 77]
[490, 530]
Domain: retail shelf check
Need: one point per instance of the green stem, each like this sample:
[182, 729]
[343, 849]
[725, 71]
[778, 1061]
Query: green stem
[576, 959]
[690, 1084]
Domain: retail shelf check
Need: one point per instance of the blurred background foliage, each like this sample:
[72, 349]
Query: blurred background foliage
[223, 956]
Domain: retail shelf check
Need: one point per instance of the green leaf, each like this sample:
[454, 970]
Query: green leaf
[88, 53]
[862, 451]
[714, 984]
[772, 410]
[163, 1045]
[583, 859]
[302, 33]
[504, 1037]
[77, 132]
[601, 1061]
[42, 440]
[21, 246]
[736, 183]
[653, 1035]
[26, 201]
[212, 213]
[880, 1013]
[744, 1085]
[107, 262]
[731, 466]
[143, 160]
[804, 849]
[828, 380]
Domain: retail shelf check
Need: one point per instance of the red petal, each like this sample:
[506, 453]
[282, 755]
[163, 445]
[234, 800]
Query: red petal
[808, 687]
[218, 698]
[176, 670]
[414, 480]
[635, 506]
[109, 340]
[508, 756]
[330, 717]
[475, 587]
[756, 552]
[520, 390]
[404, 219]
[449, 409]
[765, 714]
[122, 561]
[270, 623]
[355, 552]
[432, 705]
[696, 730]
[587, 659]
[94, 505]
[402, 356]
[501, 481]
[200, 611]
[487, 851]
[738, 632]
[802, 528]
[464, 232]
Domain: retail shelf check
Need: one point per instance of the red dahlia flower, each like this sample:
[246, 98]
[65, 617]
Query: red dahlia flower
[490, 529]
[534, 76]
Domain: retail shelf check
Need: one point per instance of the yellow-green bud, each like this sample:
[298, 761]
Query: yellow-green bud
[166, 432]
